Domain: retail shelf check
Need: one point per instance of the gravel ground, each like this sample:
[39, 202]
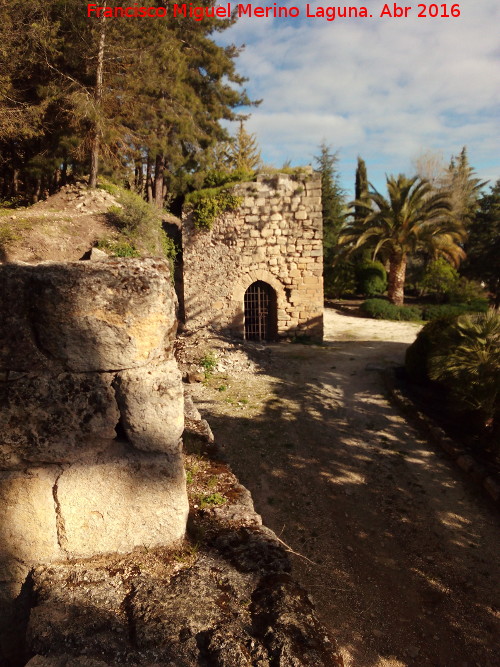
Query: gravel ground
[400, 553]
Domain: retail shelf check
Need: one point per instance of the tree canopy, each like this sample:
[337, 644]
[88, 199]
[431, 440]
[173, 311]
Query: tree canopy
[483, 244]
[411, 218]
[149, 93]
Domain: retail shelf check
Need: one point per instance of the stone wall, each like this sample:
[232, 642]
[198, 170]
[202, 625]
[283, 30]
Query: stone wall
[91, 413]
[275, 237]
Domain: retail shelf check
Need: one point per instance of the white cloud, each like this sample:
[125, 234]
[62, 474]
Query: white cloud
[380, 88]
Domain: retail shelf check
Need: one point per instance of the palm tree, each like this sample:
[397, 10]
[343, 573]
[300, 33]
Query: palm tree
[413, 218]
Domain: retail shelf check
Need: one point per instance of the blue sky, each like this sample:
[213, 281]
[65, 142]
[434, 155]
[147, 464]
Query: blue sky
[387, 89]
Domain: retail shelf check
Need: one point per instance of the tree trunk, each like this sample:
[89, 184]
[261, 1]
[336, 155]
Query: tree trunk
[14, 184]
[64, 172]
[397, 273]
[149, 182]
[37, 190]
[139, 178]
[94, 151]
[159, 167]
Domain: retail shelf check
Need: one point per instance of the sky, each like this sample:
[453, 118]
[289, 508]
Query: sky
[385, 88]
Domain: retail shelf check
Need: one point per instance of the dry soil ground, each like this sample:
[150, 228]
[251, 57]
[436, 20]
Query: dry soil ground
[400, 553]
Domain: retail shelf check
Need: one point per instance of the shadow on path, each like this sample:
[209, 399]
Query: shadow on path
[405, 557]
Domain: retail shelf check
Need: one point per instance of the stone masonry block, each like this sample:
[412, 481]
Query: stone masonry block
[86, 316]
[151, 402]
[28, 525]
[53, 418]
[116, 505]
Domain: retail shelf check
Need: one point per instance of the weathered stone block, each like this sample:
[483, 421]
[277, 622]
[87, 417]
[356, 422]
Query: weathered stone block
[117, 505]
[55, 418]
[151, 402]
[28, 526]
[86, 316]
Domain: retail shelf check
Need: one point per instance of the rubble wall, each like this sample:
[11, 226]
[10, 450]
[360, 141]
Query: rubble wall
[275, 236]
[91, 413]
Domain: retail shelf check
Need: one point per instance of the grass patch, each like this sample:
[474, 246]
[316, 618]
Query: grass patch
[8, 235]
[211, 500]
[118, 248]
[139, 225]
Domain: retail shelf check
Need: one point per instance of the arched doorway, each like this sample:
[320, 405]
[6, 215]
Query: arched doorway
[261, 312]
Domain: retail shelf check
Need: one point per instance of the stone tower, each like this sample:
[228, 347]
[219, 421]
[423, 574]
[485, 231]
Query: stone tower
[257, 274]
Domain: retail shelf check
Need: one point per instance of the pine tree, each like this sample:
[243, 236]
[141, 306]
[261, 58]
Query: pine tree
[244, 153]
[464, 187]
[148, 94]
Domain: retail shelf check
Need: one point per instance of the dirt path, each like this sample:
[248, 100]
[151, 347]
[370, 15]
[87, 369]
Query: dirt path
[406, 553]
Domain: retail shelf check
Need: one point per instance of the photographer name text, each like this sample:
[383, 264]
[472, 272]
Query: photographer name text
[391, 10]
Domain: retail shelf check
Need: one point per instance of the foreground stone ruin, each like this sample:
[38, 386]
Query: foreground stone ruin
[91, 415]
[94, 571]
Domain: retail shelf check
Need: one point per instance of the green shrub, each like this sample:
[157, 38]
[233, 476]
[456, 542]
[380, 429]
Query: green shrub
[135, 214]
[109, 187]
[431, 337]
[140, 226]
[380, 309]
[217, 178]
[207, 205]
[409, 313]
[433, 311]
[340, 279]
[371, 278]
[468, 364]
[467, 291]
[439, 279]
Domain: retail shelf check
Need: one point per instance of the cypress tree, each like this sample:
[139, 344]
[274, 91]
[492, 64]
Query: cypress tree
[361, 188]
[333, 207]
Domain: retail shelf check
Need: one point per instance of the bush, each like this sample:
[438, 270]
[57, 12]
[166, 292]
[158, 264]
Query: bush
[134, 214]
[340, 279]
[431, 337]
[141, 228]
[468, 364]
[216, 177]
[380, 309]
[207, 205]
[371, 278]
[462, 356]
[468, 291]
[439, 279]
[432, 312]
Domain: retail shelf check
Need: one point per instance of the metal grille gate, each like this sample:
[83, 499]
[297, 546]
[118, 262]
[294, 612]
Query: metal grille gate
[259, 315]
